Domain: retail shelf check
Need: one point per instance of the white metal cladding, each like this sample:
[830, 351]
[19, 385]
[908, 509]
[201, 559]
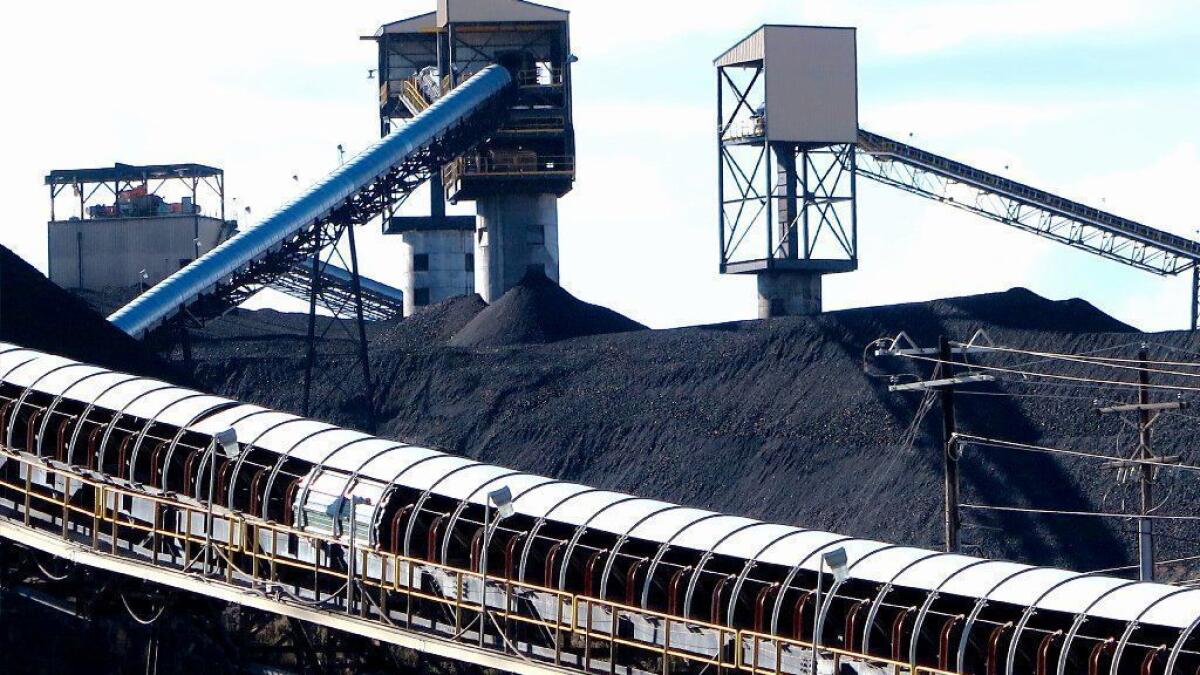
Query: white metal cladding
[151, 405]
[931, 573]
[621, 517]
[427, 474]
[811, 84]
[60, 380]
[320, 448]
[666, 524]
[186, 410]
[882, 565]
[794, 550]
[1175, 611]
[535, 496]
[354, 451]
[578, 510]
[705, 534]
[88, 389]
[284, 437]
[120, 396]
[752, 539]
[978, 580]
[36, 369]
[470, 481]
[394, 465]
[537, 502]
[250, 425]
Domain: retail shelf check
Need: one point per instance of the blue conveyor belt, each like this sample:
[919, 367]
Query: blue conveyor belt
[182, 288]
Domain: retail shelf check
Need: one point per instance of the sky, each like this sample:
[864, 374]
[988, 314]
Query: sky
[1095, 101]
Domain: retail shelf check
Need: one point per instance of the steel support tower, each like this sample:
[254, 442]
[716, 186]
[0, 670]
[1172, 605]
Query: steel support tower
[786, 179]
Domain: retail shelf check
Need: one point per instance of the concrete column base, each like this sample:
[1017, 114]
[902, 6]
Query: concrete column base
[788, 294]
[446, 268]
[514, 234]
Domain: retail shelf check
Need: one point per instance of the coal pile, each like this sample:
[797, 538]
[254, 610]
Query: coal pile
[36, 313]
[772, 419]
[538, 311]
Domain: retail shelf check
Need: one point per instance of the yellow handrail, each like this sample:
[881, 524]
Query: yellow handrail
[242, 547]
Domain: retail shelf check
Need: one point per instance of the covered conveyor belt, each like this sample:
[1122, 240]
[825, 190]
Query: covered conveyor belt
[356, 191]
[1030, 209]
[580, 578]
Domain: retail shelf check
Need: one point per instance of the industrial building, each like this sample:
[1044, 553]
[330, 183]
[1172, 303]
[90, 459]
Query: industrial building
[120, 231]
[515, 175]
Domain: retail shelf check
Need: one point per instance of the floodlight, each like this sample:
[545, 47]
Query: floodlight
[228, 442]
[501, 498]
[836, 560]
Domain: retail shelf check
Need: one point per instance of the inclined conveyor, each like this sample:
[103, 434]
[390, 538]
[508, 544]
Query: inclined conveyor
[257, 243]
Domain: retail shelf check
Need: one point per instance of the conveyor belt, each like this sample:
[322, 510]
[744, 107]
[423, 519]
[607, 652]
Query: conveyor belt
[1019, 205]
[399, 161]
[380, 301]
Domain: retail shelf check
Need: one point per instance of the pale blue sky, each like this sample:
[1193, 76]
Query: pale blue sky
[1095, 100]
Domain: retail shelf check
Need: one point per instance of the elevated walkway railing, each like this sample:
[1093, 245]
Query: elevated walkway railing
[186, 537]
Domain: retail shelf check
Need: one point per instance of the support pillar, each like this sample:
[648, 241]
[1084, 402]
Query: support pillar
[515, 234]
[788, 293]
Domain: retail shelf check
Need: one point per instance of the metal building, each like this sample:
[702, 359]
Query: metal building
[517, 174]
[787, 100]
[124, 231]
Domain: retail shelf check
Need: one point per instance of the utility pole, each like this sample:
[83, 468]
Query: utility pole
[949, 449]
[1145, 525]
[1147, 415]
[944, 381]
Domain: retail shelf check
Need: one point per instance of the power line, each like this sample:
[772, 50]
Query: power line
[1054, 376]
[1100, 361]
[1089, 514]
[983, 441]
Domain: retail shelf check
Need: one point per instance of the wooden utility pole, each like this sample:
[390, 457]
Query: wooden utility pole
[949, 451]
[1145, 525]
[1147, 414]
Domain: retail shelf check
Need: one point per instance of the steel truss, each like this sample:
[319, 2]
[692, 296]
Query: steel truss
[1026, 208]
[316, 247]
[337, 283]
[782, 206]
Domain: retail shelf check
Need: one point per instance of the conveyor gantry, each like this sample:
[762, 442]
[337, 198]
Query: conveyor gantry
[1027, 208]
[356, 192]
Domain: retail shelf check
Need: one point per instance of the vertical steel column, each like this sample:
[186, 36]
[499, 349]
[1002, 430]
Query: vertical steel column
[1195, 294]
[720, 165]
[310, 361]
[785, 154]
[363, 354]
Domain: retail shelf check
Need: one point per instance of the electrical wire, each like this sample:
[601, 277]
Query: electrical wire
[1054, 376]
[1085, 357]
[983, 441]
[1092, 514]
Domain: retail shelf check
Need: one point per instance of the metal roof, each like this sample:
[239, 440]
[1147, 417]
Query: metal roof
[496, 11]
[130, 172]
